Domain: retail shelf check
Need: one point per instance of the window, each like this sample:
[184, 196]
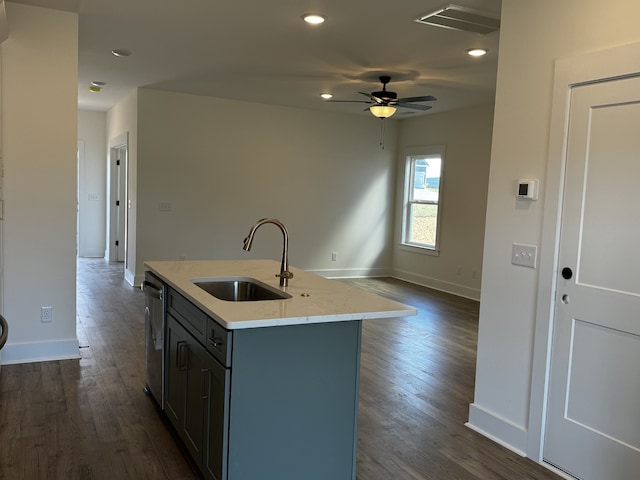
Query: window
[422, 199]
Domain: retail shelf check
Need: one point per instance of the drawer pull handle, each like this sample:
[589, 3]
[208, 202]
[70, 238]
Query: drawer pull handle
[204, 384]
[181, 357]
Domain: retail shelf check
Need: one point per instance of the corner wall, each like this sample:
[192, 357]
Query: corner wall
[466, 135]
[39, 144]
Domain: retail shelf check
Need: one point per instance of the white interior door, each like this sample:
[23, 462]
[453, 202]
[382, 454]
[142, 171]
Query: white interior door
[121, 208]
[593, 412]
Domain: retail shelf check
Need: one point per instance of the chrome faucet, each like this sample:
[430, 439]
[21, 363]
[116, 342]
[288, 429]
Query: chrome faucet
[285, 274]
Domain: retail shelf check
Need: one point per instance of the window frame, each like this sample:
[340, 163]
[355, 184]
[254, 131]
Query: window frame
[411, 156]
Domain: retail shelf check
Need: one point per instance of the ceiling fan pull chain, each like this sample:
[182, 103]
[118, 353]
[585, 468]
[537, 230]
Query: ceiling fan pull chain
[382, 133]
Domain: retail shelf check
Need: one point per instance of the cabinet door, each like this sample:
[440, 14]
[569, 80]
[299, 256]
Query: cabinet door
[174, 394]
[185, 383]
[216, 434]
[195, 387]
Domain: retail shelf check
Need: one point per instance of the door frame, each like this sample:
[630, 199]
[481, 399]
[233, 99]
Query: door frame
[599, 66]
[121, 141]
[80, 191]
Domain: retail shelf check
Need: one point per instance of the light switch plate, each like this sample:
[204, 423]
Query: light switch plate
[524, 255]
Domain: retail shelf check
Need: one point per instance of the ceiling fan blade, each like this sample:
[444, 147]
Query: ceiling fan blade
[372, 97]
[427, 98]
[347, 101]
[415, 106]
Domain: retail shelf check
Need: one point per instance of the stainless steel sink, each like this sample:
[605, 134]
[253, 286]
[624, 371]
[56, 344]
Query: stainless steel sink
[240, 289]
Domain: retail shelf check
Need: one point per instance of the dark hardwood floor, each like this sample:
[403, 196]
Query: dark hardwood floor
[89, 418]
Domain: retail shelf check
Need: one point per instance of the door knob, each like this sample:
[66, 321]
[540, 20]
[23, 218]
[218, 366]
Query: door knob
[567, 273]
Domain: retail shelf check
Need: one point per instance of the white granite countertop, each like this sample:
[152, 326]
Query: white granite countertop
[314, 299]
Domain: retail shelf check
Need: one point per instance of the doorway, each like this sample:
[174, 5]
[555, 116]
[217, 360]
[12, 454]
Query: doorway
[118, 202]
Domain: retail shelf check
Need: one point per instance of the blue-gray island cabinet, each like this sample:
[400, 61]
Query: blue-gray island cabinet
[275, 401]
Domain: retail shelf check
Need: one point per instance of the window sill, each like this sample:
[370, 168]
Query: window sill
[407, 247]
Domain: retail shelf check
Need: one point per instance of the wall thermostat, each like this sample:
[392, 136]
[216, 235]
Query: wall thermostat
[527, 189]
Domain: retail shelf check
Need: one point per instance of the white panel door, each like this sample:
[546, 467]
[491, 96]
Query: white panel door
[593, 412]
[121, 200]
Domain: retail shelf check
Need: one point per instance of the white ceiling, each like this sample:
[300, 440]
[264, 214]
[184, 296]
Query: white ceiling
[262, 51]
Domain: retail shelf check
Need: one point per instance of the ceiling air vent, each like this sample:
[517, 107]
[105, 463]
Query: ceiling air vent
[456, 17]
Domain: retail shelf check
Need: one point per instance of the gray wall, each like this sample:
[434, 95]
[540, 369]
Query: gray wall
[224, 164]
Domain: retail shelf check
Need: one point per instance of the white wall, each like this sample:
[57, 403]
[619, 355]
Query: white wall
[466, 135]
[224, 164]
[533, 35]
[39, 114]
[92, 181]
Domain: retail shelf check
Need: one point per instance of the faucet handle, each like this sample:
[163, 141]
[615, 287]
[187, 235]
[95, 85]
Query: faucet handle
[286, 274]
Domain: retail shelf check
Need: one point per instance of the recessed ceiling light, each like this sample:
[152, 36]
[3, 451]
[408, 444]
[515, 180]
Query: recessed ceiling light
[477, 52]
[314, 18]
[97, 83]
[118, 52]
[326, 96]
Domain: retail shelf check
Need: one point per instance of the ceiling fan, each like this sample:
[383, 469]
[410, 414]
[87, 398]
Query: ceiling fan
[384, 102]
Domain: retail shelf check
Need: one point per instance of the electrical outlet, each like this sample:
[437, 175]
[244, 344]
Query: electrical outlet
[334, 256]
[46, 314]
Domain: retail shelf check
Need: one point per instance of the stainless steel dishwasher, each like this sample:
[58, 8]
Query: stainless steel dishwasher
[154, 320]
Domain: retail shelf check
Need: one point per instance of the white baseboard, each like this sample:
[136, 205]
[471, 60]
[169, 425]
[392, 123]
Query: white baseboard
[40, 352]
[88, 253]
[132, 279]
[424, 281]
[500, 430]
[448, 287]
[353, 272]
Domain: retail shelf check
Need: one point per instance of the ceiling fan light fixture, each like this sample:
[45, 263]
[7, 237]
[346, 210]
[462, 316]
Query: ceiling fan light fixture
[477, 52]
[314, 18]
[382, 111]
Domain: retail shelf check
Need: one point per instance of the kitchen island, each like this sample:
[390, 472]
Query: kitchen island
[265, 389]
